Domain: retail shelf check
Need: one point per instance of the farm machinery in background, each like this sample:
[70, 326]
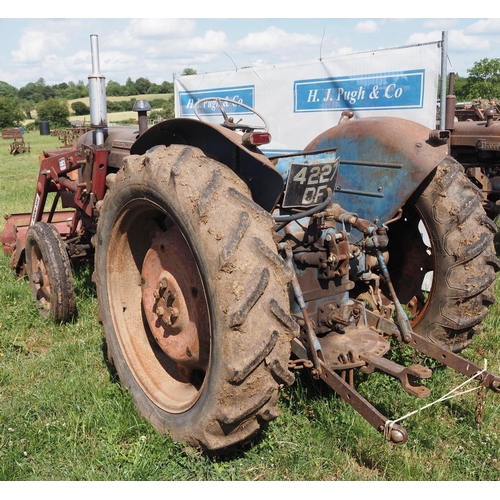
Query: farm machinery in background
[474, 141]
[220, 271]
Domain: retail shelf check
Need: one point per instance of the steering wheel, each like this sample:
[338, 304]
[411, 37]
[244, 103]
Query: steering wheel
[229, 121]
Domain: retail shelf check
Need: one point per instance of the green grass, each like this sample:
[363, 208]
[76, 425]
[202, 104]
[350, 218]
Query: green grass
[65, 416]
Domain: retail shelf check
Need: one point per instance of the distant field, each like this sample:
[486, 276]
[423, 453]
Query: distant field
[147, 97]
[112, 117]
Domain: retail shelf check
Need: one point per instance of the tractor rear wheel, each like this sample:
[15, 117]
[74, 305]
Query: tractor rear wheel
[457, 248]
[49, 272]
[193, 297]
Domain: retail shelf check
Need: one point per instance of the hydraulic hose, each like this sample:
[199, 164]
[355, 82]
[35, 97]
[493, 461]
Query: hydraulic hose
[289, 218]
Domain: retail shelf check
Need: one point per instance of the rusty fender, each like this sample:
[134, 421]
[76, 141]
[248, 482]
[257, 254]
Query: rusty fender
[223, 145]
[382, 162]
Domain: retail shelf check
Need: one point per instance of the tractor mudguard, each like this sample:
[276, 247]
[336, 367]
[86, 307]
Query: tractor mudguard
[223, 145]
[383, 160]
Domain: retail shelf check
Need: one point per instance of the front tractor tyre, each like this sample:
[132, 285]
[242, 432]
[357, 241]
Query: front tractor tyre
[193, 297]
[49, 272]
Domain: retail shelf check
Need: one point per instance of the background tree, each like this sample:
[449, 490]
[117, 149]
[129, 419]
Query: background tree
[189, 71]
[56, 111]
[143, 85]
[114, 89]
[130, 87]
[31, 92]
[484, 79]
[7, 90]
[80, 108]
[27, 107]
[460, 89]
[10, 113]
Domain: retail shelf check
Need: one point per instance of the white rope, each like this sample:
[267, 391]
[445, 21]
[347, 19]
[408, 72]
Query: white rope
[452, 394]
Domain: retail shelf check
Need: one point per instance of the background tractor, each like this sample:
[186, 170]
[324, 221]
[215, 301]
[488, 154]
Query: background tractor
[220, 271]
[474, 141]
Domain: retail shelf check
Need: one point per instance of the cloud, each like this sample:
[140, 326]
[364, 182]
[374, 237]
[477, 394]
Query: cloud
[34, 46]
[211, 41]
[484, 27]
[458, 41]
[440, 24]
[274, 39]
[366, 27]
[161, 28]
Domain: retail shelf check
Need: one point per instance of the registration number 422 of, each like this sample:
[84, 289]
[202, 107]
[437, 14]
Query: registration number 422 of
[307, 183]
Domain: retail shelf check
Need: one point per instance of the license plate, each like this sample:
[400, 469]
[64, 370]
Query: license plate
[307, 183]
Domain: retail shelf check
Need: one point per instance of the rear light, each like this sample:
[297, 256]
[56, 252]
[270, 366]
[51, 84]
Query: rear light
[256, 138]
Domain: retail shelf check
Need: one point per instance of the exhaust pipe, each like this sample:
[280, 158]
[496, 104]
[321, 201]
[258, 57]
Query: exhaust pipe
[97, 94]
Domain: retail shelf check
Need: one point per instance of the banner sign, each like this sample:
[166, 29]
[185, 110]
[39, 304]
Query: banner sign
[302, 100]
[245, 95]
[401, 90]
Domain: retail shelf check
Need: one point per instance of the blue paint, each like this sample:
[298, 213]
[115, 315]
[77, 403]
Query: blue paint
[243, 94]
[397, 90]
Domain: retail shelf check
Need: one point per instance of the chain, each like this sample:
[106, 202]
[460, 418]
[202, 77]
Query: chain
[298, 364]
[479, 407]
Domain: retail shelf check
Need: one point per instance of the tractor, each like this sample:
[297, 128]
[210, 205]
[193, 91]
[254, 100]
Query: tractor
[220, 271]
[474, 141]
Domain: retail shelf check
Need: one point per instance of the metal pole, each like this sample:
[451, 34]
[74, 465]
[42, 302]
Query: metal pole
[97, 94]
[444, 70]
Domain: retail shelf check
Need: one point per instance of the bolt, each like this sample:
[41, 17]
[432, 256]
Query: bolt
[397, 436]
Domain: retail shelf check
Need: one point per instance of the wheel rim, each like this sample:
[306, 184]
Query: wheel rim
[408, 274]
[158, 306]
[39, 280]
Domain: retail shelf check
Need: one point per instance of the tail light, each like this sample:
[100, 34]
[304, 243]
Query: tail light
[256, 138]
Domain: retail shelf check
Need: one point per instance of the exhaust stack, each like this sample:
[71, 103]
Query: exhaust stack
[97, 94]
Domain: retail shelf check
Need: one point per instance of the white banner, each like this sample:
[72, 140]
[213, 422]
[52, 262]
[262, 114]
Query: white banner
[302, 100]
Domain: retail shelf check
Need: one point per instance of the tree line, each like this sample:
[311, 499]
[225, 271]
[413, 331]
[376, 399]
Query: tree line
[50, 101]
[482, 82]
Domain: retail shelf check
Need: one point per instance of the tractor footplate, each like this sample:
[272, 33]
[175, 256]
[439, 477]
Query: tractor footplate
[344, 351]
[363, 349]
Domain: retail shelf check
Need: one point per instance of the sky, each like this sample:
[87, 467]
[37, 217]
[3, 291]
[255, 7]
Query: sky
[57, 49]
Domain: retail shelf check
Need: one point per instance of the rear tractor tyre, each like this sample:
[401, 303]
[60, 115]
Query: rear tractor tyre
[193, 297]
[49, 272]
[461, 257]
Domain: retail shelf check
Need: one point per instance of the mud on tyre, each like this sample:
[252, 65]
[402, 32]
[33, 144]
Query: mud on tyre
[461, 257]
[193, 297]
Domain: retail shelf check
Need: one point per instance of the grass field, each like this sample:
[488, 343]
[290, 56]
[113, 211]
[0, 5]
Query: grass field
[65, 416]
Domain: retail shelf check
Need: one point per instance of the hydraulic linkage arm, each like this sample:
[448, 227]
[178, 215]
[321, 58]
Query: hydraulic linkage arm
[312, 356]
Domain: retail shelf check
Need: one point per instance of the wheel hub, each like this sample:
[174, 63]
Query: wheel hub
[172, 302]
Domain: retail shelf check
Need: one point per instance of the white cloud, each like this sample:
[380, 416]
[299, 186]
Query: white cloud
[211, 41]
[366, 27]
[458, 41]
[440, 24]
[484, 27]
[274, 38]
[161, 28]
[34, 46]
